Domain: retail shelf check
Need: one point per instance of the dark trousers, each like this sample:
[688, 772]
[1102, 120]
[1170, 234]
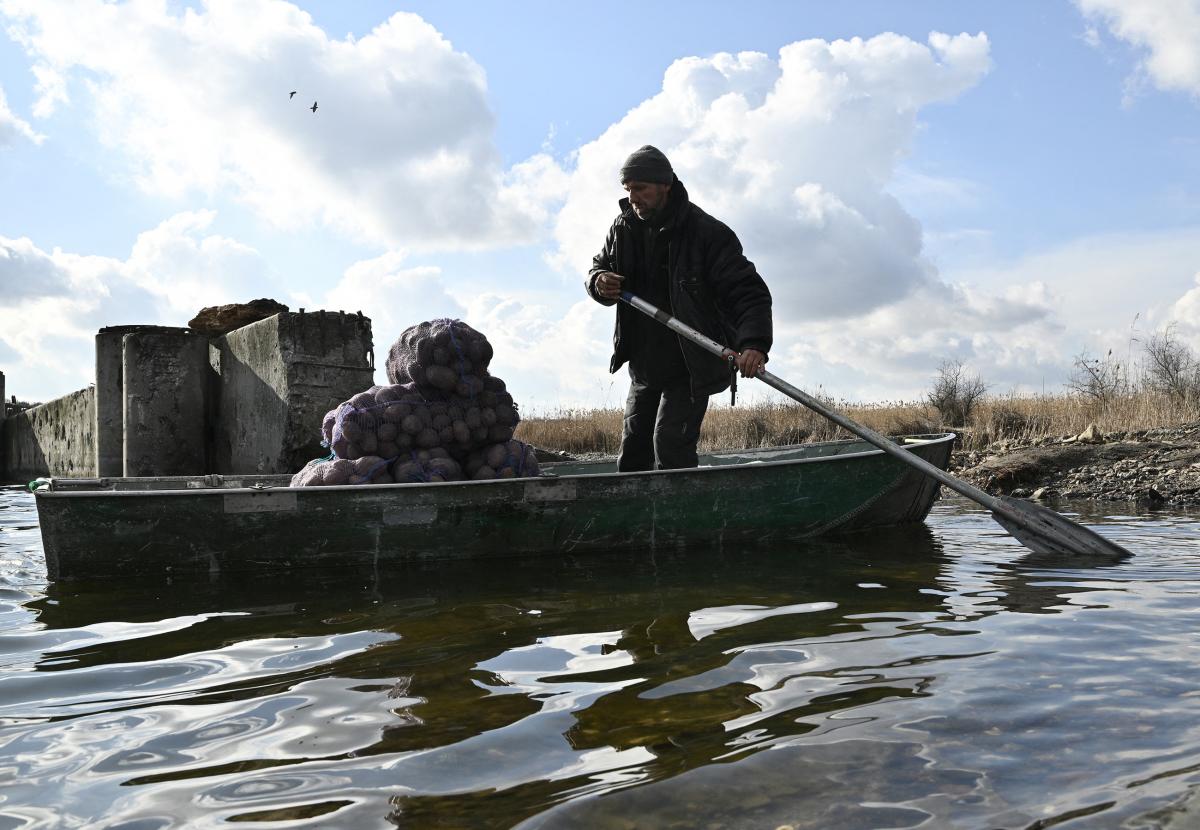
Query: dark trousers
[662, 426]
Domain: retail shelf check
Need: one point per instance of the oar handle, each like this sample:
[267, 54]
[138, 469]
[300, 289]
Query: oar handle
[799, 395]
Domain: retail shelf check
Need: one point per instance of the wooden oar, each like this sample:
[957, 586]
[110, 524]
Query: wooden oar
[1038, 528]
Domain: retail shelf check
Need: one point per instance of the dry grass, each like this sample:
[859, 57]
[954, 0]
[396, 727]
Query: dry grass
[1023, 419]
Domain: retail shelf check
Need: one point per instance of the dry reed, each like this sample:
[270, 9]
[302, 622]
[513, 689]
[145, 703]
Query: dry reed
[1014, 418]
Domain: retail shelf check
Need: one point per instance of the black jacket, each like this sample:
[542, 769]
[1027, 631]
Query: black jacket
[713, 288]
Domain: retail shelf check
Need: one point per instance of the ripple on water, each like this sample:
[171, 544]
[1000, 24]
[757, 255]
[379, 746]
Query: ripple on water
[938, 676]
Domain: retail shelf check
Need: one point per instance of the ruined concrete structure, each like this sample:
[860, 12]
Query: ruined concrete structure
[170, 401]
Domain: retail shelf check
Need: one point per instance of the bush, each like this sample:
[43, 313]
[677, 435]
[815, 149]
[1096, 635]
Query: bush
[955, 393]
[1172, 368]
[1100, 379]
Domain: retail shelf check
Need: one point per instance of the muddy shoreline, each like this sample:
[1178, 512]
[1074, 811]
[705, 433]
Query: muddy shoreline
[1157, 467]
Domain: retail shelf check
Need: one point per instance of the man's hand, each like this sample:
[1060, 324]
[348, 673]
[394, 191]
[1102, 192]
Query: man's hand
[608, 285]
[750, 362]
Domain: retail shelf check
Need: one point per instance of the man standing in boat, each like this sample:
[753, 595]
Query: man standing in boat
[672, 254]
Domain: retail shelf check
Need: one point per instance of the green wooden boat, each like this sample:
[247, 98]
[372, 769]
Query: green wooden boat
[128, 527]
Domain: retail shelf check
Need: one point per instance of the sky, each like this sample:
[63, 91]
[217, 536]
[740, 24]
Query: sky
[1009, 185]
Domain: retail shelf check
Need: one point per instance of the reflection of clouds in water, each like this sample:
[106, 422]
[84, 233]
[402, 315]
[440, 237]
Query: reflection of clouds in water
[708, 621]
[51, 641]
[95, 688]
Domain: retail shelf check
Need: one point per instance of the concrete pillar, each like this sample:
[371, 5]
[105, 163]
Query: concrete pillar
[164, 375]
[110, 400]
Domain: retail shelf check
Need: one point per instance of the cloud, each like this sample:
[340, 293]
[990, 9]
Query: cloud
[797, 155]
[399, 152]
[12, 127]
[1018, 324]
[1166, 32]
[26, 272]
[52, 303]
[392, 294]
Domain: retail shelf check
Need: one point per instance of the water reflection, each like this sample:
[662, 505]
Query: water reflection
[887, 679]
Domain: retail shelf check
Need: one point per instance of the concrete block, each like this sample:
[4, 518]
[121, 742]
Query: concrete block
[164, 376]
[278, 378]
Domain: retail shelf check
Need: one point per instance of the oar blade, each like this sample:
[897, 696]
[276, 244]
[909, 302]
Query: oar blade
[1044, 531]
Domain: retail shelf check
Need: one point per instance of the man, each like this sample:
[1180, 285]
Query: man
[672, 254]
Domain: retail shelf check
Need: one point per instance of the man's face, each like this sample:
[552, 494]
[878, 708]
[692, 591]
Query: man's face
[647, 198]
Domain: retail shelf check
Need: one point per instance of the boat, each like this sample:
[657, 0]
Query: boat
[215, 524]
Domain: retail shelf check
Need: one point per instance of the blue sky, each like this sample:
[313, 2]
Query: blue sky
[1010, 191]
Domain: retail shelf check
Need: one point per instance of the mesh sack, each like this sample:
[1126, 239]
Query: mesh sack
[392, 421]
[506, 459]
[328, 472]
[443, 355]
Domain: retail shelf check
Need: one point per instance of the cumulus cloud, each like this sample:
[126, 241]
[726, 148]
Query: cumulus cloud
[12, 127]
[393, 294]
[400, 150]
[797, 155]
[1167, 32]
[53, 302]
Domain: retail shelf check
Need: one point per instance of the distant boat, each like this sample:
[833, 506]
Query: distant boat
[174, 526]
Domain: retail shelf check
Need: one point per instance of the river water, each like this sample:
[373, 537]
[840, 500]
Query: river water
[935, 676]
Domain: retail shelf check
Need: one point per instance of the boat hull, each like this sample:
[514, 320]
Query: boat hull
[132, 527]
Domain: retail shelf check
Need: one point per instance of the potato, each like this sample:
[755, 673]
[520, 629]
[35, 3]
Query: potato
[340, 447]
[404, 472]
[368, 443]
[462, 433]
[362, 400]
[500, 433]
[441, 377]
[395, 412]
[388, 449]
[440, 420]
[468, 386]
[388, 394]
[441, 356]
[354, 452]
[488, 416]
[404, 442]
[428, 438]
[412, 425]
[387, 431]
[484, 473]
[506, 414]
[496, 455]
[446, 434]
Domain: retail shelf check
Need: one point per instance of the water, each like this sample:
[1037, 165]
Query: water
[930, 677]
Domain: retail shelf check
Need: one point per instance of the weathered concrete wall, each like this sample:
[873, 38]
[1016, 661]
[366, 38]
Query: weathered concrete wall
[164, 377]
[56, 438]
[3, 456]
[278, 378]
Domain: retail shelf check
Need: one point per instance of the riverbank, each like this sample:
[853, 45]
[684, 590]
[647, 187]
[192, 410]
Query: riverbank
[1151, 467]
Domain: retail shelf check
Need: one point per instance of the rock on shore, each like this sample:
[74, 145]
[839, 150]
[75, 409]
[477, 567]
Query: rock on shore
[1152, 467]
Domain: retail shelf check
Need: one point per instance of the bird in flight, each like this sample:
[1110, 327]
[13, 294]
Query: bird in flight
[314, 106]
[292, 94]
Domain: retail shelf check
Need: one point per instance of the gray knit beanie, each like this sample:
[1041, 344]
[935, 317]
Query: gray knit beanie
[647, 164]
